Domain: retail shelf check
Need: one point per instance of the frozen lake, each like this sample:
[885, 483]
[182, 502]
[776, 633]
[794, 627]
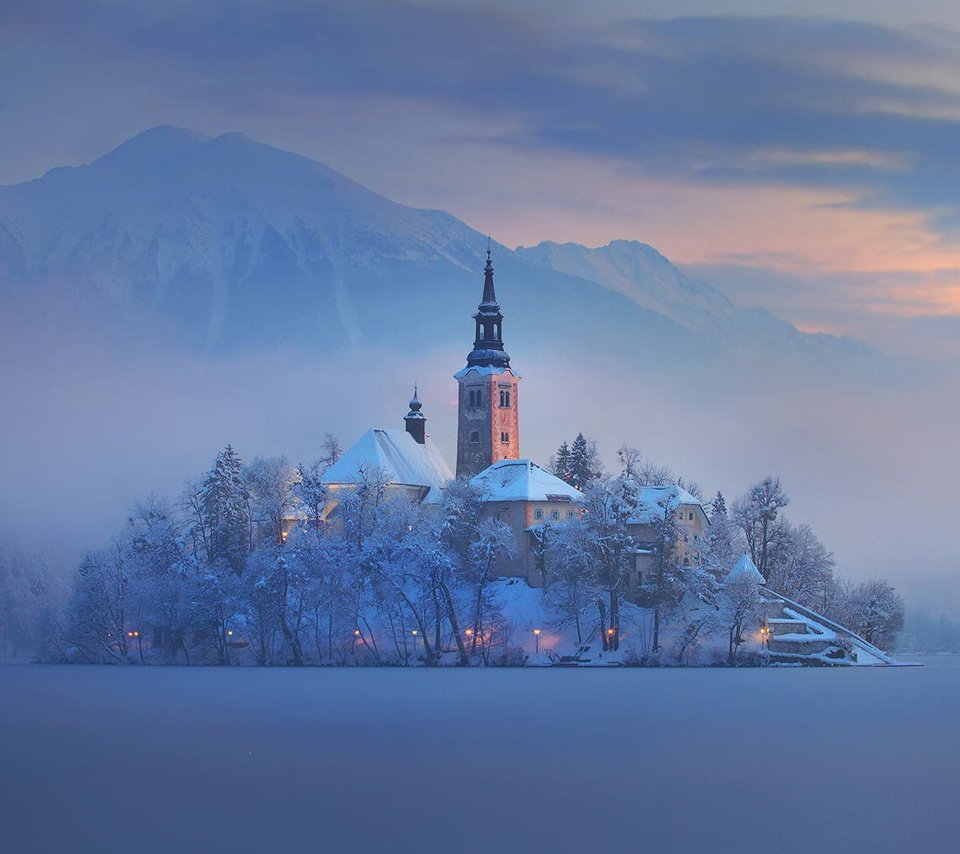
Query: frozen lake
[103, 759]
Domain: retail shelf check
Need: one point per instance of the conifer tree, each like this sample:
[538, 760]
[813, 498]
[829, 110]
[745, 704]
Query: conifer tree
[225, 503]
[560, 464]
[719, 505]
[584, 466]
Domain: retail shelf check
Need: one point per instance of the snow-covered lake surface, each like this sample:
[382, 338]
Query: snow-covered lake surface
[99, 759]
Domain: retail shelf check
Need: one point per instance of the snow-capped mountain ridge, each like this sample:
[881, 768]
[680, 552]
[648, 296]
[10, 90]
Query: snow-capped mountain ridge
[639, 272]
[232, 245]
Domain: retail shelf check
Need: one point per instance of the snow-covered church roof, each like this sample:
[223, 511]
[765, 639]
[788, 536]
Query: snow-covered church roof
[744, 570]
[523, 480]
[654, 501]
[402, 459]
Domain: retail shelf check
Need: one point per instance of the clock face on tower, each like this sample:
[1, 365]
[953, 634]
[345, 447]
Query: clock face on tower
[488, 422]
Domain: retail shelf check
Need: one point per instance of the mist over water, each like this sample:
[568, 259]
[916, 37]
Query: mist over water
[244, 760]
[99, 419]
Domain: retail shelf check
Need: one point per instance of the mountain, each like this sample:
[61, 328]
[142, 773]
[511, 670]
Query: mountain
[226, 246]
[641, 274]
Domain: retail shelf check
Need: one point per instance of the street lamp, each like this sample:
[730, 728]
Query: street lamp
[536, 634]
[765, 636]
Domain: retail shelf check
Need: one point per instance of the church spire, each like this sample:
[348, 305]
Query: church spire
[488, 342]
[489, 295]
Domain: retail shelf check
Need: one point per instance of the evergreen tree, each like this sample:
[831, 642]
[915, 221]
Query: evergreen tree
[585, 467]
[560, 463]
[718, 506]
[225, 505]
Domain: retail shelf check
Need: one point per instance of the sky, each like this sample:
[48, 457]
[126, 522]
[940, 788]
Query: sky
[802, 156]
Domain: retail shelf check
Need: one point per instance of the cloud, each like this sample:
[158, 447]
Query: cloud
[742, 101]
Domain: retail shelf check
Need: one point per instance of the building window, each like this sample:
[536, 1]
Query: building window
[474, 436]
[474, 399]
[537, 514]
[555, 514]
[505, 438]
[504, 399]
[570, 514]
[690, 515]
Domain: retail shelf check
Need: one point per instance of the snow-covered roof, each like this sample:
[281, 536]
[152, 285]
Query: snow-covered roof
[744, 570]
[403, 460]
[523, 480]
[654, 501]
[485, 371]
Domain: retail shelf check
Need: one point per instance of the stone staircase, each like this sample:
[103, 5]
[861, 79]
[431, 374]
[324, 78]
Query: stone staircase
[799, 635]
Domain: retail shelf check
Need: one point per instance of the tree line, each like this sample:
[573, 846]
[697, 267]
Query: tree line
[217, 576]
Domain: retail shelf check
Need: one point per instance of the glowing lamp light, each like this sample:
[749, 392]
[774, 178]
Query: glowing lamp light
[356, 633]
[536, 631]
[230, 633]
[609, 631]
[413, 632]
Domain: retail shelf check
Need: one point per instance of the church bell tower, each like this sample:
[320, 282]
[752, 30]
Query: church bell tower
[488, 425]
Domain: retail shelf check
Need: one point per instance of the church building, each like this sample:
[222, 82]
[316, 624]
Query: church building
[514, 490]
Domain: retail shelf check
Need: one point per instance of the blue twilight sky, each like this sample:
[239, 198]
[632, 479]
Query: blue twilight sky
[805, 156]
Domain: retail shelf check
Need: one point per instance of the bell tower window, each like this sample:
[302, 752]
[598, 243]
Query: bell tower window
[504, 399]
[474, 436]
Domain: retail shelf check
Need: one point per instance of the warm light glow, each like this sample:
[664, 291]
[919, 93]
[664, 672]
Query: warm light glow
[230, 633]
[468, 632]
[609, 631]
[356, 633]
[536, 631]
[414, 632]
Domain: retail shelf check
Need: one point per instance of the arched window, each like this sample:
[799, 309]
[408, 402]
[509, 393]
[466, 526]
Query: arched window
[505, 438]
[504, 399]
[537, 514]
[474, 436]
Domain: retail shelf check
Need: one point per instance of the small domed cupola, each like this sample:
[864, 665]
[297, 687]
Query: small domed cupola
[415, 421]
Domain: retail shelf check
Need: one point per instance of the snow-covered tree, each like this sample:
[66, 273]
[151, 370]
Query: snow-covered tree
[96, 616]
[271, 485]
[757, 513]
[572, 586]
[29, 600]
[799, 565]
[223, 508]
[875, 611]
[739, 602]
[610, 505]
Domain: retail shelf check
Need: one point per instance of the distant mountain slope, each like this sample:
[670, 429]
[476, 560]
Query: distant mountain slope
[227, 245]
[639, 272]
